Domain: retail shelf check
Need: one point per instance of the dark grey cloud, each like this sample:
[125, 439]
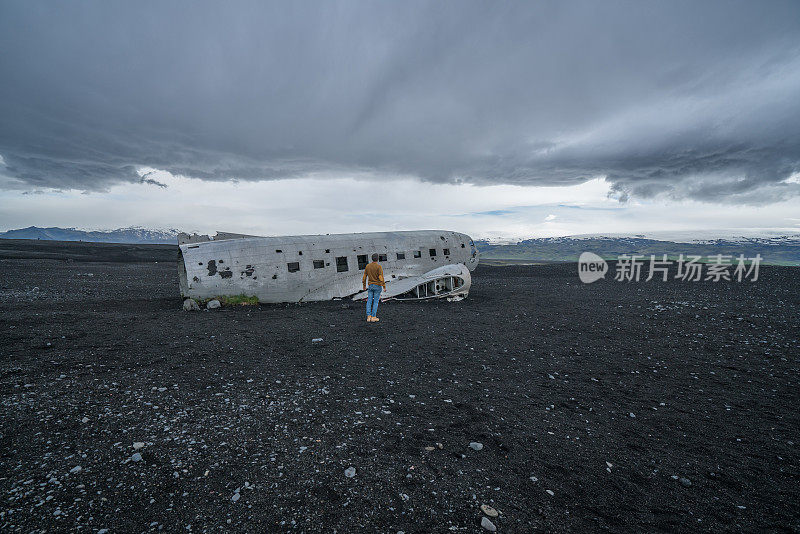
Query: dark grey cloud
[686, 99]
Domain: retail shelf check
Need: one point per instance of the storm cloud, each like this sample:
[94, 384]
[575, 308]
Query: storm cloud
[679, 99]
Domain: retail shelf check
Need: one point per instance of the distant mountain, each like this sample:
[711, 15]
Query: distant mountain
[121, 235]
[774, 247]
[777, 250]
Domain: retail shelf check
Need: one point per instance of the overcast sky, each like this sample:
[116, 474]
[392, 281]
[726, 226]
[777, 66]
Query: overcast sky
[495, 118]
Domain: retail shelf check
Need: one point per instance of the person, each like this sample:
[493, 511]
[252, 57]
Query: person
[374, 273]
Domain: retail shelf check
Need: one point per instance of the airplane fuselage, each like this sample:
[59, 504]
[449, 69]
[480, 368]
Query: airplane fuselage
[320, 267]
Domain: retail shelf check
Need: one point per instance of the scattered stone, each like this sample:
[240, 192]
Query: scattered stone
[137, 457]
[549, 492]
[632, 415]
[475, 446]
[235, 497]
[488, 525]
[76, 469]
[534, 479]
[138, 445]
[488, 510]
[190, 305]
[316, 340]
[350, 472]
[102, 531]
[685, 482]
[213, 304]
[85, 420]
[430, 448]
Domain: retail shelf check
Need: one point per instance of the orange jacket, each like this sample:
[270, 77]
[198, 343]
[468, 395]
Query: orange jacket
[374, 272]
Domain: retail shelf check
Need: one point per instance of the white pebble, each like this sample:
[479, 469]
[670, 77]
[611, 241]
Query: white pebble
[488, 525]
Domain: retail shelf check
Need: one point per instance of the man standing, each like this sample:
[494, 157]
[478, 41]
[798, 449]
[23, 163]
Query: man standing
[373, 272]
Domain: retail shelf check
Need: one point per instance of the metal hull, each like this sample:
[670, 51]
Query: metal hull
[320, 267]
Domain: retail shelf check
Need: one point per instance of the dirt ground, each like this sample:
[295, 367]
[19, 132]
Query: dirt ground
[622, 407]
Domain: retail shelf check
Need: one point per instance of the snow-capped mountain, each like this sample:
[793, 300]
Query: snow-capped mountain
[777, 248]
[781, 236]
[133, 234]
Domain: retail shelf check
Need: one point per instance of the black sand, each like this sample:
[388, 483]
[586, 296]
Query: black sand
[545, 372]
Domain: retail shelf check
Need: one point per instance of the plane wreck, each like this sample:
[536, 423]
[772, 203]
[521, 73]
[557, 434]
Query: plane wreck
[417, 265]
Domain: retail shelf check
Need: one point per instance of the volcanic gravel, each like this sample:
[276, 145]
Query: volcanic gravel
[625, 407]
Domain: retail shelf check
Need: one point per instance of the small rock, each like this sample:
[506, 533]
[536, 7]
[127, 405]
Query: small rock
[137, 457]
[430, 448]
[685, 482]
[190, 305]
[138, 445]
[85, 420]
[350, 472]
[316, 340]
[213, 304]
[76, 469]
[102, 531]
[475, 446]
[632, 415]
[488, 525]
[488, 510]
[549, 492]
[534, 479]
[235, 497]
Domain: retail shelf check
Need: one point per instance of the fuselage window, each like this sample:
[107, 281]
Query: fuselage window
[300, 253]
[417, 253]
[382, 257]
[319, 264]
[341, 264]
[462, 245]
[293, 266]
[401, 255]
[446, 252]
[362, 261]
[278, 251]
[432, 252]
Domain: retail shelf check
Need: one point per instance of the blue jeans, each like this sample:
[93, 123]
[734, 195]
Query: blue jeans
[373, 298]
